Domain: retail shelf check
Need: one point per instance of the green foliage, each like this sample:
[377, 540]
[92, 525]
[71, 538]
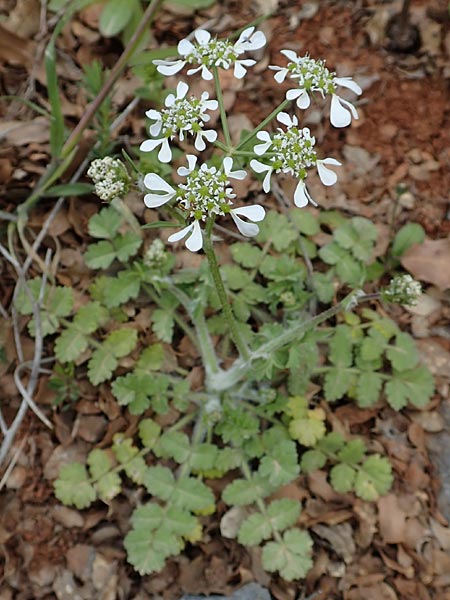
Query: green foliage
[406, 237]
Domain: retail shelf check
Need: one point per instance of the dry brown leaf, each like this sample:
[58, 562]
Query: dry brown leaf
[392, 519]
[430, 262]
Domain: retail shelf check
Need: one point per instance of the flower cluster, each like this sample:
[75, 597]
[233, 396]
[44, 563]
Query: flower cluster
[180, 115]
[311, 75]
[155, 254]
[292, 152]
[206, 193]
[110, 178]
[403, 289]
[210, 52]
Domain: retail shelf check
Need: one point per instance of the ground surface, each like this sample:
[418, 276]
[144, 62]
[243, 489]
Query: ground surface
[397, 549]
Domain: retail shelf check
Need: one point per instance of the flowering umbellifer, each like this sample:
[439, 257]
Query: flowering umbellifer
[311, 75]
[211, 52]
[292, 152]
[180, 115]
[206, 193]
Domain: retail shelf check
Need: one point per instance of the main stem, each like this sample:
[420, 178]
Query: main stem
[220, 288]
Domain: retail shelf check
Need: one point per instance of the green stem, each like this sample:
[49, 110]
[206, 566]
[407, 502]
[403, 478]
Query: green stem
[220, 288]
[124, 210]
[223, 114]
[267, 120]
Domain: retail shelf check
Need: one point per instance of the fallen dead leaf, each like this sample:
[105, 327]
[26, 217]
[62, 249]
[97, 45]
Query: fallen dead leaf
[430, 261]
[392, 519]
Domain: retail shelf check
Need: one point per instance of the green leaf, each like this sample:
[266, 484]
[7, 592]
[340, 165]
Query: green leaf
[350, 271]
[337, 382]
[115, 15]
[246, 255]
[406, 237]
[147, 517]
[241, 492]
[194, 4]
[90, 317]
[99, 462]
[332, 253]
[374, 478]
[100, 255]
[342, 478]
[101, 366]
[123, 448]
[306, 222]
[234, 277]
[136, 469]
[358, 236]
[203, 457]
[324, 286]
[368, 389]
[163, 324]
[126, 245]
[133, 391]
[148, 552]
[105, 224]
[122, 288]
[312, 460]
[254, 530]
[341, 345]
[109, 486]
[151, 359]
[372, 346]
[280, 466]
[73, 487]
[352, 452]
[70, 344]
[173, 444]
[283, 513]
[277, 228]
[192, 494]
[331, 443]
[415, 386]
[160, 482]
[69, 189]
[291, 557]
[57, 117]
[404, 354]
[121, 341]
[307, 431]
[149, 432]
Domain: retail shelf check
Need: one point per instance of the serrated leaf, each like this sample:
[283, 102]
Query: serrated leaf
[350, 271]
[332, 253]
[101, 366]
[173, 444]
[277, 228]
[163, 324]
[180, 522]
[105, 224]
[241, 492]
[151, 359]
[149, 432]
[331, 443]
[99, 462]
[147, 517]
[415, 386]
[312, 460]
[280, 466]
[406, 237]
[123, 448]
[352, 452]
[372, 347]
[292, 557]
[121, 341]
[358, 236]
[136, 469]
[234, 277]
[203, 457]
[306, 222]
[337, 382]
[307, 431]
[246, 255]
[122, 288]
[160, 482]
[90, 317]
[59, 301]
[100, 255]
[70, 344]
[126, 245]
[341, 346]
[368, 389]
[109, 486]
[323, 285]
[148, 552]
[342, 478]
[283, 513]
[404, 354]
[254, 530]
[192, 494]
[73, 487]
[374, 479]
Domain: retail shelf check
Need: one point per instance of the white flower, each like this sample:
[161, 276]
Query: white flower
[292, 152]
[205, 193]
[403, 289]
[312, 76]
[210, 52]
[180, 115]
[110, 178]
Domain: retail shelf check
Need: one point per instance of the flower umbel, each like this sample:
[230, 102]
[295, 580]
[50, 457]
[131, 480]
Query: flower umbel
[313, 76]
[205, 193]
[210, 52]
[110, 178]
[292, 152]
[403, 289]
[180, 115]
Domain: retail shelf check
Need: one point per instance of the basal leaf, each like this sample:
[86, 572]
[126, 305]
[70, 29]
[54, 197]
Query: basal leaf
[163, 324]
[374, 478]
[407, 236]
[246, 255]
[121, 341]
[101, 366]
[312, 460]
[283, 513]
[280, 466]
[368, 389]
[100, 255]
[99, 462]
[109, 486]
[115, 16]
[70, 344]
[277, 228]
[254, 530]
[291, 557]
[309, 430]
[122, 288]
[192, 494]
[342, 478]
[145, 554]
[149, 432]
[160, 482]
[336, 383]
[241, 492]
[352, 452]
[147, 517]
[105, 224]
[73, 487]
[151, 359]
[90, 317]
[415, 386]
[173, 444]
[126, 245]
[404, 354]
[341, 346]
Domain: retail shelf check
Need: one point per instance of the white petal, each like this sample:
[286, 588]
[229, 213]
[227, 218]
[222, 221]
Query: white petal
[149, 145]
[199, 142]
[154, 182]
[290, 54]
[169, 67]
[261, 149]
[195, 239]
[285, 119]
[192, 161]
[249, 41]
[209, 134]
[153, 115]
[155, 128]
[210, 104]
[228, 165]
[239, 70]
[165, 154]
[182, 90]
[341, 112]
[259, 167]
[301, 195]
[170, 100]
[302, 96]
[202, 36]
[156, 200]
[327, 176]
[254, 212]
[206, 73]
[258, 40]
[247, 229]
[348, 82]
[281, 74]
[185, 47]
